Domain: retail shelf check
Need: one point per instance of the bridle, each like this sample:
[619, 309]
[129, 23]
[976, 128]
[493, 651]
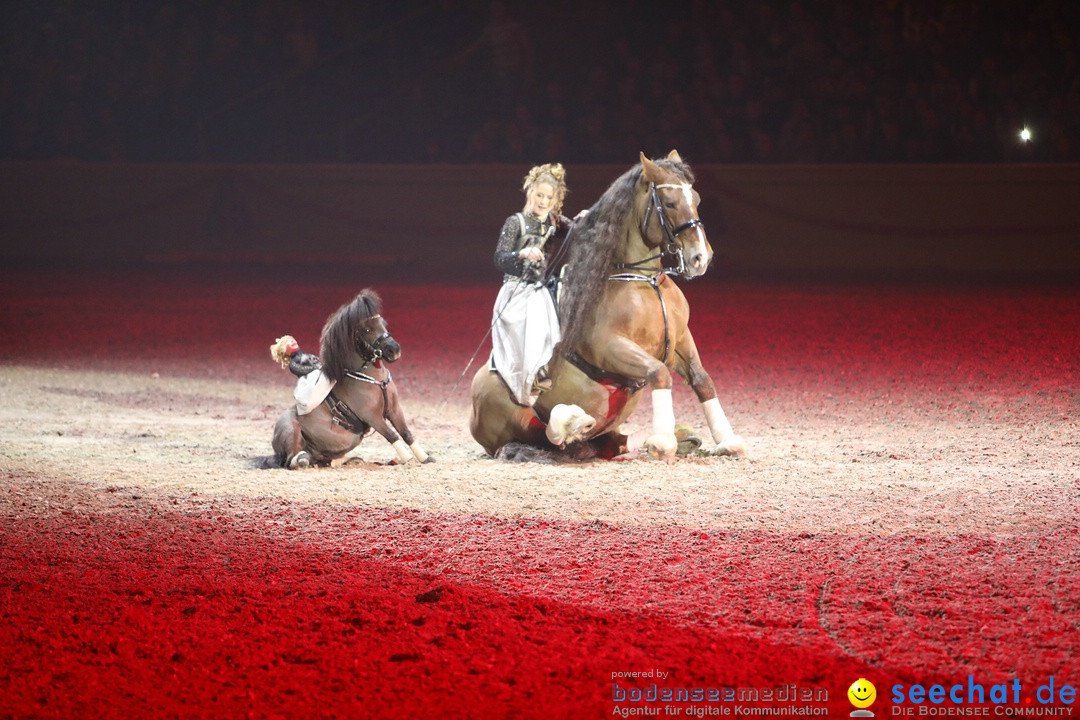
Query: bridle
[372, 351]
[670, 240]
[671, 248]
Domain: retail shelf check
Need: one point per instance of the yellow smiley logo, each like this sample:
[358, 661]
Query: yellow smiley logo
[862, 693]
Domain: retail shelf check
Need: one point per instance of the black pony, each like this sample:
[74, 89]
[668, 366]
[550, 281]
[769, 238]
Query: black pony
[354, 350]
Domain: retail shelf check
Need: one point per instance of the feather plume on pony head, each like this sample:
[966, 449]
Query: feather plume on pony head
[283, 348]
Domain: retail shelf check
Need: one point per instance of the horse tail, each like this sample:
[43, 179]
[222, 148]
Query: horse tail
[520, 452]
[268, 462]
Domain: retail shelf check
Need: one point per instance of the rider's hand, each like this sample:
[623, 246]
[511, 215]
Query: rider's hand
[531, 253]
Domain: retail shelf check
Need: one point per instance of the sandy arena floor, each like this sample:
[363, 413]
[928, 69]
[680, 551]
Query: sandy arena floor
[908, 511]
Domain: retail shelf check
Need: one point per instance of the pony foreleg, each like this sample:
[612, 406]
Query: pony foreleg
[347, 457]
[405, 446]
[396, 418]
[408, 451]
[402, 451]
[288, 442]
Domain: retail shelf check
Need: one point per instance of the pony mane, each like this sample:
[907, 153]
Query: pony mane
[337, 345]
[595, 240]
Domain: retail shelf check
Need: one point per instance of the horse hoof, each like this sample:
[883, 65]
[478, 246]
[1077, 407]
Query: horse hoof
[428, 459]
[735, 448]
[300, 460]
[662, 447]
[568, 424]
[688, 441]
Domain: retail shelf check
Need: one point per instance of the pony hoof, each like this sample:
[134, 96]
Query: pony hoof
[735, 448]
[427, 460]
[300, 460]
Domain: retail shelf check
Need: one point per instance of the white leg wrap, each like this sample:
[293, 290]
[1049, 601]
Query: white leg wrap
[636, 440]
[718, 423]
[663, 413]
[418, 452]
[402, 450]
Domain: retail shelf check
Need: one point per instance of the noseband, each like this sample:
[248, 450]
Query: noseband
[370, 352]
[671, 243]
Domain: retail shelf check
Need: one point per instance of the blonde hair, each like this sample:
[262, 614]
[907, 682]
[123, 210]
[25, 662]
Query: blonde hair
[553, 174]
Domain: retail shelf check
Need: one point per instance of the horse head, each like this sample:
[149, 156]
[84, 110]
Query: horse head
[374, 341]
[356, 335]
[669, 215]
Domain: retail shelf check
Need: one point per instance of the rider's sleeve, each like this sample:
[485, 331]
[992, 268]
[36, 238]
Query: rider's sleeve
[506, 252]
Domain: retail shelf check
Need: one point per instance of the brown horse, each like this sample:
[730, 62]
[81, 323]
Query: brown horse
[354, 349]
[624, 327]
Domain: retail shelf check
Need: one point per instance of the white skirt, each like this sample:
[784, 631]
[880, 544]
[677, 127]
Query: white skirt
[524, 332]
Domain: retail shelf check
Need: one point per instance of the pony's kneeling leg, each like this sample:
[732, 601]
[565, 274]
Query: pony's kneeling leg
[299, 461]
[727, 441]
[419, 454]
[347, 458]
[403, 453]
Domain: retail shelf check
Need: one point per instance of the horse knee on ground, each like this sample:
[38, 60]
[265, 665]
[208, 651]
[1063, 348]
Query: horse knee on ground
[567, 424]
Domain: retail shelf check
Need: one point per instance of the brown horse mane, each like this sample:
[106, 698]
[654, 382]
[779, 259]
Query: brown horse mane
[337, 346]
[594, 242]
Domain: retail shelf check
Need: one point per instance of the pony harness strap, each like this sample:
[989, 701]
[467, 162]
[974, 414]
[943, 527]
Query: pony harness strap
[345, 416]
[382, 384]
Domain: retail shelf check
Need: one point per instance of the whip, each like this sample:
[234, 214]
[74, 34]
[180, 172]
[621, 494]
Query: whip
[520, 283]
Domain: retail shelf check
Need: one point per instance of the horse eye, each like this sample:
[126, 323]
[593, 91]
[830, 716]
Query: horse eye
[670, 205]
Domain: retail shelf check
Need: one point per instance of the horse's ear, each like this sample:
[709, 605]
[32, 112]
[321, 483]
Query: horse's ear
[674, 155]
[651, 172]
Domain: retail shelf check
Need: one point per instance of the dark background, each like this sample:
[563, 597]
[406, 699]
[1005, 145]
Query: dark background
[831, 139]
[475, 81]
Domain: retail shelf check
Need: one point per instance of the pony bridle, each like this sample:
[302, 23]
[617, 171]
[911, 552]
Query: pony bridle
[671, 235]
[375, 347]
